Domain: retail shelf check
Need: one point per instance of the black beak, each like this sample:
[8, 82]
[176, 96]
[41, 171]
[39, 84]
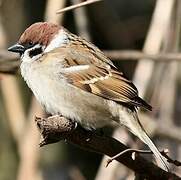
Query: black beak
[17, 48]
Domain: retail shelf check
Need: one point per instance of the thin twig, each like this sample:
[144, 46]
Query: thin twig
[10, 62]
[77, 6]
[126, 151]
[139, 55]
[164, 153]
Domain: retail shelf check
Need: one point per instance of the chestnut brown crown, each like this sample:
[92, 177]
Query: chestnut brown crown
[39, 33]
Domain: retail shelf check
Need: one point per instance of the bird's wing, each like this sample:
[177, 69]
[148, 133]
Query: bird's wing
[94, 73]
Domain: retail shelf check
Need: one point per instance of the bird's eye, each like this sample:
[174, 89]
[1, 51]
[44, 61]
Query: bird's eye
[30, 43]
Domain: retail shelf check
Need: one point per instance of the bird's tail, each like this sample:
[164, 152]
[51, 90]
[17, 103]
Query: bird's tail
[136, 128]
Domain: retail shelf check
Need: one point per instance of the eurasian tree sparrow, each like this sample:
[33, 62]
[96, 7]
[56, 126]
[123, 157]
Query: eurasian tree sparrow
[72, 77]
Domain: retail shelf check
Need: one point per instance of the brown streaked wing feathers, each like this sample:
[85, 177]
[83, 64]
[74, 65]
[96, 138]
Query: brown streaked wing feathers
[110, 87]
[101, 80]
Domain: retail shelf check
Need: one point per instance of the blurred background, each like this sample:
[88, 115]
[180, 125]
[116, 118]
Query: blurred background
[142, 38]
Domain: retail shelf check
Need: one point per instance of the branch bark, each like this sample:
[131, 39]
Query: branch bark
[56, 128]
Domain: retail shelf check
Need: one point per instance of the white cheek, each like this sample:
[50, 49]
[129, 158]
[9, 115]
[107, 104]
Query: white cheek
[59, 40]
[26, 57]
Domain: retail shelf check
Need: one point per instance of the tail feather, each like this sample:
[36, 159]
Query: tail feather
[136, 128]
[144, 137]
[141, 133]
[141, 103]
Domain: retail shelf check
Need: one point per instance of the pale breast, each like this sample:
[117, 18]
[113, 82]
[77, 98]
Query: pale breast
[59, 97]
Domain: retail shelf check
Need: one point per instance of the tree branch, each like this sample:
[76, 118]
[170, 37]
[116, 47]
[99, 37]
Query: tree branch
[56, 128]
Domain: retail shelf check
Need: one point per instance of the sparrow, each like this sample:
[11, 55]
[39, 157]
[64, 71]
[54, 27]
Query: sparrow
[72, 77]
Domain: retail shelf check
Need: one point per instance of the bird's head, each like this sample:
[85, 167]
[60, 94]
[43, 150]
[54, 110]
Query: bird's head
[39, 38]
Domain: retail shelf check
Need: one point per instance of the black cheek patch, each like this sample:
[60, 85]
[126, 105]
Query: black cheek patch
[35, 52]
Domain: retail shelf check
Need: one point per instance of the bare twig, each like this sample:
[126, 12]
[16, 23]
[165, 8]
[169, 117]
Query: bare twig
[9, 63]
[164, 153]
[77, 6]
[56, 128]
[139, 55]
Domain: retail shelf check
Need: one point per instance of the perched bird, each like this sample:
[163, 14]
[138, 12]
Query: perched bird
[72, 77]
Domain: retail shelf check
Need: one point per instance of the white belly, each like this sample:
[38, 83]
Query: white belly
[59, 97]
